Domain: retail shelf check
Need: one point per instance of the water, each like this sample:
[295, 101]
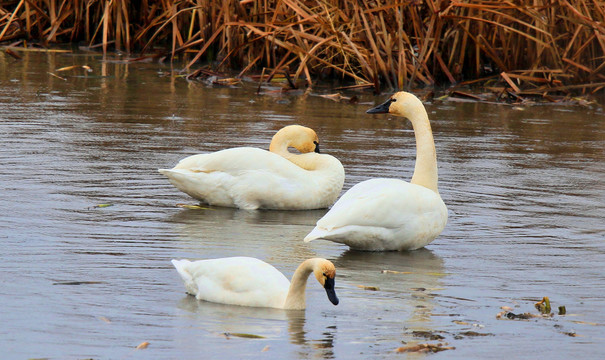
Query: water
[524, 189]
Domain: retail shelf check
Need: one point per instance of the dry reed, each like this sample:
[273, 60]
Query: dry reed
[539, 44]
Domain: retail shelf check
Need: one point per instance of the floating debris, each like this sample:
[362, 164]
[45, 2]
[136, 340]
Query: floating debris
[102, 205]
[338, 97]
[212, 77]
[227, 81]
[193, 207]
[371, 288]
[436, 274]
[424, 348]
[266, 348]
[562, 310]
[460, 322]
[513, 316]
[543, 305]
[66, 68]
[586, 323]
[103, 318]
[142, 345]
[12, 53]
[430, 335]
[395, 272]
[57, 76]
[471, 334]
[77, 282]
[465, 95]
[243, 335]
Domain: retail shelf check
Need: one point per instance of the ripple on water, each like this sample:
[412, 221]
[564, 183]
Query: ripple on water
[524, 192]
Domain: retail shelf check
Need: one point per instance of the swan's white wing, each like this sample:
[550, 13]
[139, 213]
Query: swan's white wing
[235, 160]
[382, 214]
[237, 280]
[252, 178]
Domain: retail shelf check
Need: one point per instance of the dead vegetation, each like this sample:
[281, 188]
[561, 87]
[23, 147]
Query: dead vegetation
[520, 48]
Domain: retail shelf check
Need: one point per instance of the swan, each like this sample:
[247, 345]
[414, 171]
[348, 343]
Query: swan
[251, 178]
[391, 214]
[248, 281]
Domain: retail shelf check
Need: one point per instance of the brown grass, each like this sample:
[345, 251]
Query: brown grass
[540, 44]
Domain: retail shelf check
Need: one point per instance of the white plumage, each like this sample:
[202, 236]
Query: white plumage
[249, 281]
[251, 178]
[391, 214]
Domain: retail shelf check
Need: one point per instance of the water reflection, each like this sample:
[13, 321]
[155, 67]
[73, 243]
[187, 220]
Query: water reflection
[218, 215]
[410, 278]
[226, 321]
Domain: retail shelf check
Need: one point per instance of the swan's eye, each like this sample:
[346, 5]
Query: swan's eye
[324, 274]
[316, 142]
[393, 100]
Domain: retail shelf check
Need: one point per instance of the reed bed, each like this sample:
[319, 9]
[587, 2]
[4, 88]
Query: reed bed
[540, 45]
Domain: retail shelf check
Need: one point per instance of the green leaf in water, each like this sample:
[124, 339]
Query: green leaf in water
[543, 305]
[195, 207]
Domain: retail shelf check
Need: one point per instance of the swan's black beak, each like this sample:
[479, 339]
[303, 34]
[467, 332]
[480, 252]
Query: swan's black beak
[316, 146]
[329, 286]
[382, 108]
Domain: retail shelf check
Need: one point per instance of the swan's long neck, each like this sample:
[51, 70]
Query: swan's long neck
[425, 171]
[306, 161]
[280, 144]
[296, 293]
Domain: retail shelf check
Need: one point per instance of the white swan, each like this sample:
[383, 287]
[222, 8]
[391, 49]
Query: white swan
[391, 214]
[247, 281]
[251, 178]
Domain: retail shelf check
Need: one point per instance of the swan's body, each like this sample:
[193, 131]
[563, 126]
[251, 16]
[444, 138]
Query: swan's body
[251, 178]
[248, 281]
[391, 214]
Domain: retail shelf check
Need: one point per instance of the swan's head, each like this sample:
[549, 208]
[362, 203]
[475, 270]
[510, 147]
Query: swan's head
[301, 138]
[401, 103]
[325, 272]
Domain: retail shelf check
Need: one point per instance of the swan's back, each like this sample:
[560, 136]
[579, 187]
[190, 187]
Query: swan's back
[241, 281]
[252, 178]
[237, 159]
[383, 214]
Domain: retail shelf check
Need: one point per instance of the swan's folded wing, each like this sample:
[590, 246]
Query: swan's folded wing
[384, 203]
[237, 280]
[236, 160]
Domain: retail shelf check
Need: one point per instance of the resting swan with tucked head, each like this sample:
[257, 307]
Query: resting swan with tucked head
[251, 178]
[391, 214]
[247, 281]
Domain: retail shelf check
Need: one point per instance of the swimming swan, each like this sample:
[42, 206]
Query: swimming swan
[251, 178]
[247, 281]
[391, 214]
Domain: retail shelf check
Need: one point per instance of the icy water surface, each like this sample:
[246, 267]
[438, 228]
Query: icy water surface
[525, 190]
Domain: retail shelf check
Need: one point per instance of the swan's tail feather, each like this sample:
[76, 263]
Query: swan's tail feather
[315, 234]
[177, 176]
[181, 268]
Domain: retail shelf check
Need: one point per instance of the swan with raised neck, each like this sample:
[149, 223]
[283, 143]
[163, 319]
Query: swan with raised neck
[391, 214]
[409, 106]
